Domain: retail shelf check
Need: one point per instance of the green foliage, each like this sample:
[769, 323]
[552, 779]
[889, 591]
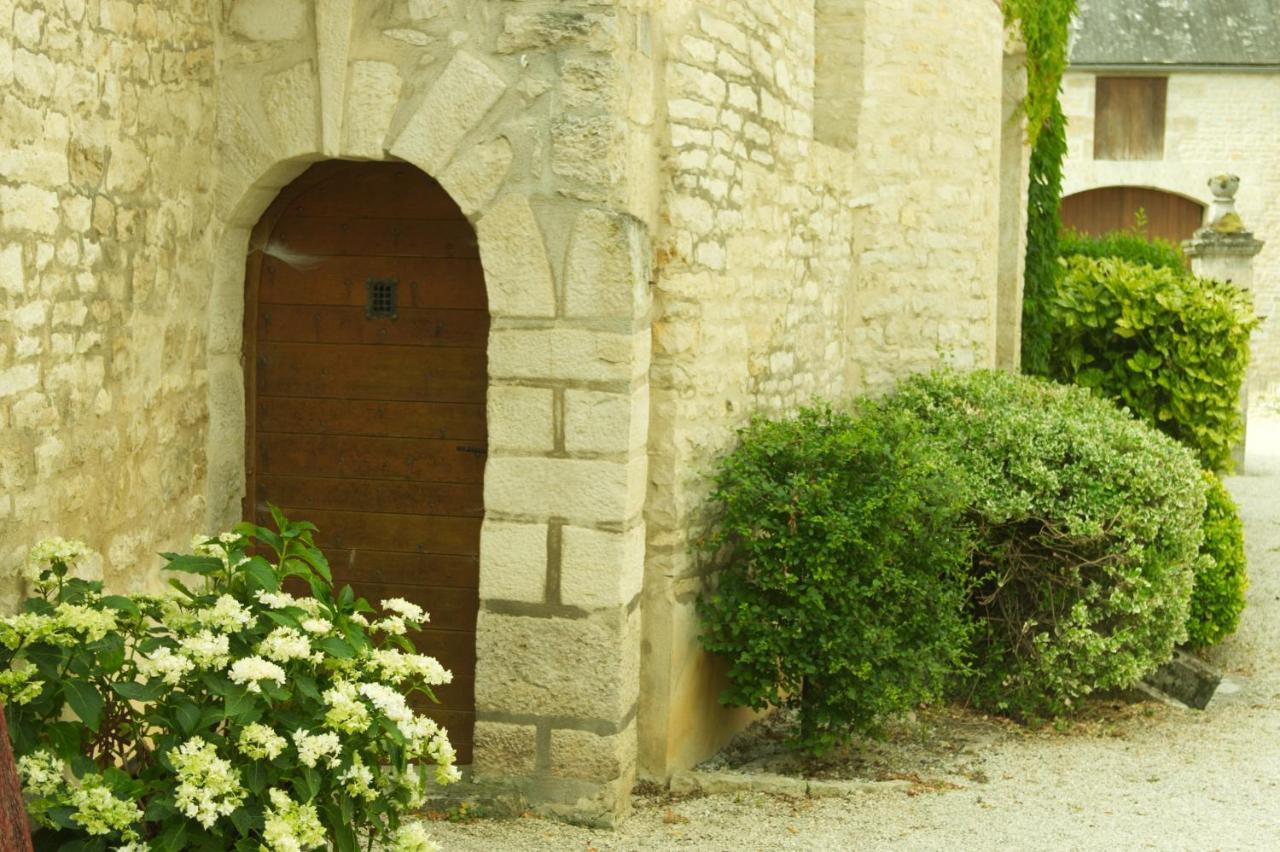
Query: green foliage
[1044, 223]
[1218, 596]
[1087, 528]
[1044, 28]
[1170, 347]
[1043, 25]
[1131, 245]
[228, 715]
[842, 592]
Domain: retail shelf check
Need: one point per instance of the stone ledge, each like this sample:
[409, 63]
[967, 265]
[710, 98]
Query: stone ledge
[712, 783]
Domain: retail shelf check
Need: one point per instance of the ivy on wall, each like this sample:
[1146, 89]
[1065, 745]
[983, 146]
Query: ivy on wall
[1044, 28]
[1044, 224]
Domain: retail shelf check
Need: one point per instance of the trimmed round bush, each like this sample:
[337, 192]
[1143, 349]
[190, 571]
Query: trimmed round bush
[844, 558]
[1087, 535]
[1217, 599]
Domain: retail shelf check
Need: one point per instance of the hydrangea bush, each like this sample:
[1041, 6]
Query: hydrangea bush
[229, 714]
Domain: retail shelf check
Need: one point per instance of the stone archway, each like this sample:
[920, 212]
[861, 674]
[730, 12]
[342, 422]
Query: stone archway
[566, 274]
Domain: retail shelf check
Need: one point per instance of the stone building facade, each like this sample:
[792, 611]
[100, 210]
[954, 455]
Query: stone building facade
[1221, 114]
[687, 212]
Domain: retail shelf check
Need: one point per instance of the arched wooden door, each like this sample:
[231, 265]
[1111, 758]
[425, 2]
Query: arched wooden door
[1114, 208]
[365, 330]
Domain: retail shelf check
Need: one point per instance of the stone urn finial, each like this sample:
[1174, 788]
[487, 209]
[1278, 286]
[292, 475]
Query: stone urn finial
[1222, 213]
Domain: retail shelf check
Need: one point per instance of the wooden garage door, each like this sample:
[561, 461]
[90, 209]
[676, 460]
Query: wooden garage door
[365, 332]
[1114, 208]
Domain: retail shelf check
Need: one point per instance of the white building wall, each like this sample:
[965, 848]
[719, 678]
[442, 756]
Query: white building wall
[1215, 122]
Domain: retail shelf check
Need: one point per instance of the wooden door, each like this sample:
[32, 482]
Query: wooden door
[365, 330]
[1114, 208]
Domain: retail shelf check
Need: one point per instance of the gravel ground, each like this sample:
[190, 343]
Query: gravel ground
[1141, 777]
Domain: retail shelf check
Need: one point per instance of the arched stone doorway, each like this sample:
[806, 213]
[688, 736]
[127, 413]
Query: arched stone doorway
[566, 275]
[1115, 208]
[366, 321]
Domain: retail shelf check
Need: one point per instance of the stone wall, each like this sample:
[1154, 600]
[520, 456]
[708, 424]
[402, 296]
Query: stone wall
[532, 117]
[106, 135]
[789, 269]
[666, 247]
[1215, 122]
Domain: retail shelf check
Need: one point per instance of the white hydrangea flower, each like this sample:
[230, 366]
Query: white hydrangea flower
[17, 685]
[317, 626]
[260, 742]
[227, 614]
[441, 751]
[312, 747]
[276, 600]
[134, 846]
[406, 610]
[208, 650]
[395, 666]
[392, 625]
[47, 551]
[291, 826]
[358, 780]
[43, 774]
[409, 783]
[218, 546]
[358, 618]
[208, 786]
[164, 663]
[388, 701]
[99, 811]
[413, 837]
[176, 617]
[284, 644]
[346, 713]
[92, 624]
[26, 628]
[250, 670]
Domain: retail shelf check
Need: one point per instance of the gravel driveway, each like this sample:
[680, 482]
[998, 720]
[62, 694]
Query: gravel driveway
[1163, 778]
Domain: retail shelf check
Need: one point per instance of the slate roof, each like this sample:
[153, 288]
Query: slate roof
[1177, 32]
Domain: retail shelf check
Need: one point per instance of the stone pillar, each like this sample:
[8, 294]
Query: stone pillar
[1224, 249]
[1015, 165]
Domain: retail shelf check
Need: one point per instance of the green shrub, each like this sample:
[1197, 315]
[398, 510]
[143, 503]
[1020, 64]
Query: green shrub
[1125, 245]
[1172, 348]
[1217, 598]
[843, 591]
[1087, 526]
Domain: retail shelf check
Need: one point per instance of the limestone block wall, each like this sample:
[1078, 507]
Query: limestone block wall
[106, 138]
[788, 269]
[1215, 122]
[929, 146]
[524, 112]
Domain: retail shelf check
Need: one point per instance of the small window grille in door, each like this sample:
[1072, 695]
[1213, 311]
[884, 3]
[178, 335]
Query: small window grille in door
[381, 299]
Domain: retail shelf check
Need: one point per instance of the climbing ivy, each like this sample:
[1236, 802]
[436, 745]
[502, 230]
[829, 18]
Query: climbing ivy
[1044, 223]
[1043, 25]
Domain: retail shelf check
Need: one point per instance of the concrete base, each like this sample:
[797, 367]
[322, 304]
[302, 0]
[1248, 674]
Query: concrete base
[1187, 679]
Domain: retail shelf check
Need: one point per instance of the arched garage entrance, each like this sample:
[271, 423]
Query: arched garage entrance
[365, 375]
[1114, 208]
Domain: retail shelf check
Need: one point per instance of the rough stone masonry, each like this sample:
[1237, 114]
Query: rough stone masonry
[687, 212]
